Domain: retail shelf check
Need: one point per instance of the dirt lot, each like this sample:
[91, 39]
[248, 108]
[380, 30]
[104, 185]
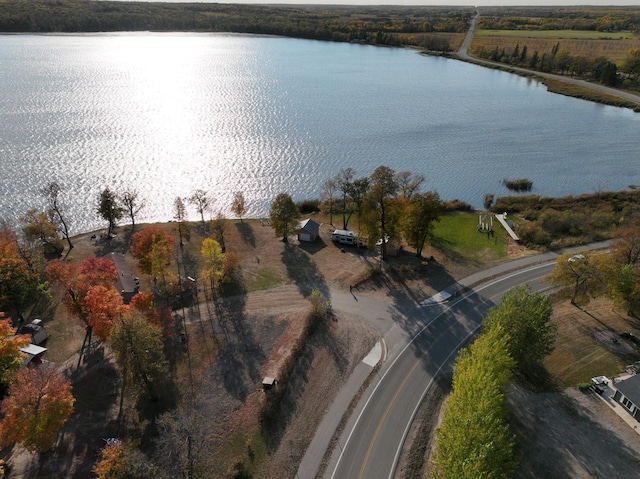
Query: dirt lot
[236, 344]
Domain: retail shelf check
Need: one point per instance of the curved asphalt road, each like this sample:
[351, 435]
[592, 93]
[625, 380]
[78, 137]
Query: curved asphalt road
[422, 342]
[464, 55]
[376, 433]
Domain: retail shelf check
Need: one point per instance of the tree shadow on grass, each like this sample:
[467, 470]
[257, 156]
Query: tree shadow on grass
[281, 404]
[241, 354]
[246, 233]
[312, 247]
[95, 389]
[446, 248]
[303, 271]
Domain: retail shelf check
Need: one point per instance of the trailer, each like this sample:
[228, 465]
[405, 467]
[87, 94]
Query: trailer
[344, 237]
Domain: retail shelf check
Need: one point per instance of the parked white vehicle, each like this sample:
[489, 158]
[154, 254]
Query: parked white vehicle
[344, 237]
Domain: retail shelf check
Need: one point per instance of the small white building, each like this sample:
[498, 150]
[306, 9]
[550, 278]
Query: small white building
[308, 230]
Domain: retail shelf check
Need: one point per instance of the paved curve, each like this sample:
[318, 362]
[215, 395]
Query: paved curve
[464, 55]
[422, 342]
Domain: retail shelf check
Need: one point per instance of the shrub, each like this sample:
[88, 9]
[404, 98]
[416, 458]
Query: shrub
[308, 207]
[488, 201]
[457, 205]
[518, 185]
[533, 236]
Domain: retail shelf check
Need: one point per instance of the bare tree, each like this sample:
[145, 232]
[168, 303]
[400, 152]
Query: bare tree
[51, 192]
[180, 215]
[238, 206]
[132, 204]
[409, 183]
[329, 189]
[200, 199]
[219, 227]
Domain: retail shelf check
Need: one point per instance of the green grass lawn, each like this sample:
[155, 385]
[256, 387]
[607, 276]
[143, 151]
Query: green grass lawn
[560, 34]
[457, 234]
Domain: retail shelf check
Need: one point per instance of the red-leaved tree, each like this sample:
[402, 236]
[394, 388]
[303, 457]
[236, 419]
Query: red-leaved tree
[38, 405]
[157, 315]
[104, 307]
[77, 280]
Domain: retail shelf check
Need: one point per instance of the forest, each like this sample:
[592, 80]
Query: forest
[388, 25]
[601, 19]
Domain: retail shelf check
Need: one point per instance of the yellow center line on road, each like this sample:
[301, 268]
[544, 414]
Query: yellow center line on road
[384, 416]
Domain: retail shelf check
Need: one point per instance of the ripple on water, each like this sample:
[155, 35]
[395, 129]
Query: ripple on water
[166, 114]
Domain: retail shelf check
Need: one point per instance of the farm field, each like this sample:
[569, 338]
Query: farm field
[585, 46]
[560, 34]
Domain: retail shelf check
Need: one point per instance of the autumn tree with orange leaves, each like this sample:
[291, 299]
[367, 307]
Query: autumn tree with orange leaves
[124, 461]
[38, 405]
[152, 247]
[104, 308]
[11, 358]
[156, 315]
[20, 287]
[90, 292]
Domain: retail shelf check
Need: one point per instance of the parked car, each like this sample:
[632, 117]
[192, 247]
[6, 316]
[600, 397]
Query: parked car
[36, 330]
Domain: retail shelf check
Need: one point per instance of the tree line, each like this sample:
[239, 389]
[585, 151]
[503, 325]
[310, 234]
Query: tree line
[337, 23]
[475, 439]
[562, 62]
[389, 206]
[602, 19]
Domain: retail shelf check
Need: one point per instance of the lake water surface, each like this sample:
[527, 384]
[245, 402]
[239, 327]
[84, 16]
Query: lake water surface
[166, 114]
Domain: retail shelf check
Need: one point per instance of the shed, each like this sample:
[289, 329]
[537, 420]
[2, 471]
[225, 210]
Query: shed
[34, 354]
[628, 394]
[308, 230]
[268, 383]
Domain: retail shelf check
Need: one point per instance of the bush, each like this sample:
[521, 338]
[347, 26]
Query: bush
[457, 205]
[488, 201]
[533, 236]
[518, 185]
[308, 207]
[513, 204]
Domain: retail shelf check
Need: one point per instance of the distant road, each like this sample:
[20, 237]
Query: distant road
[463, 54]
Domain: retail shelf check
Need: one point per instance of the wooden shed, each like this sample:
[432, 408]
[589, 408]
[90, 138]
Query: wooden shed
[308, 230]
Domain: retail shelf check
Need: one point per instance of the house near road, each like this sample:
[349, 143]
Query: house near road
[627, 393]
[308, 230]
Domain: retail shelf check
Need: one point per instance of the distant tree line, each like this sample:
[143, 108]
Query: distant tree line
[389, 206]
[380, 25]
[602, 19]
[559, 61]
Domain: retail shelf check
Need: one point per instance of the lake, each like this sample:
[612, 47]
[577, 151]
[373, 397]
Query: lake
[168, 113]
